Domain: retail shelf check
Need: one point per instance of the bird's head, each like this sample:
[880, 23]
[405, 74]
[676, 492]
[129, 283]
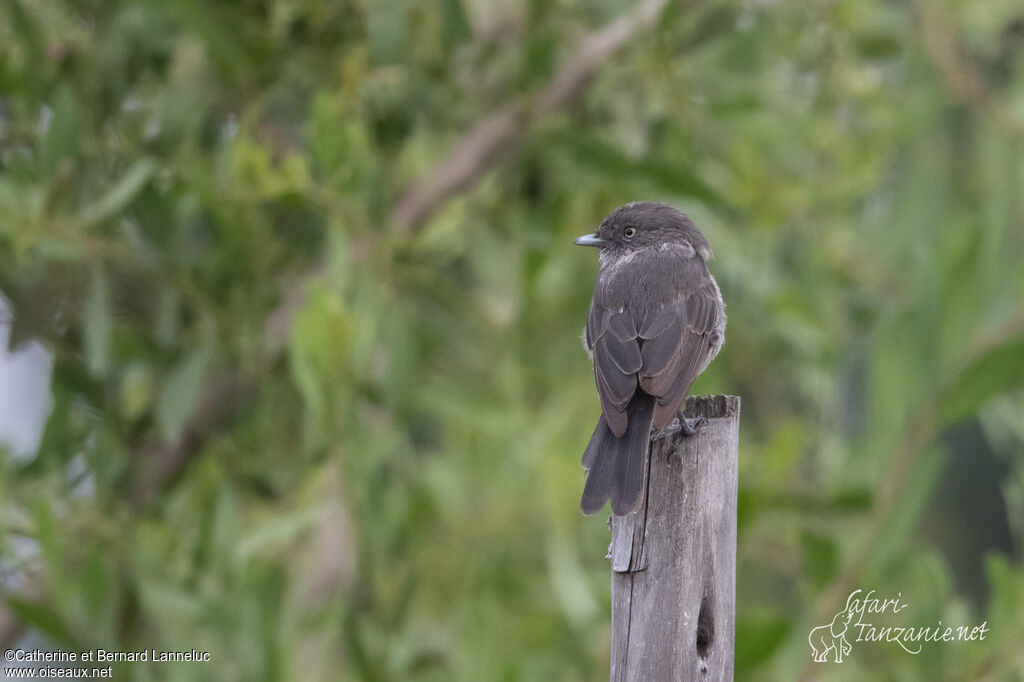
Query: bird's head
[641, 224]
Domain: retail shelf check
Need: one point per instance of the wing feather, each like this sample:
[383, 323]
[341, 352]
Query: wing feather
[620, 385]
[622, 326]
[612, 336]
[674, 354]
[625, 355]
[597, 323]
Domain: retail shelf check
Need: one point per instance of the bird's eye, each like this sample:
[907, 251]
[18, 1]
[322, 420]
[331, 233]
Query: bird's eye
[629, 231]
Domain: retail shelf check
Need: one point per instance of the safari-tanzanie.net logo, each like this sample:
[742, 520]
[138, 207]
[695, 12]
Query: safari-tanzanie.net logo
[833, 640]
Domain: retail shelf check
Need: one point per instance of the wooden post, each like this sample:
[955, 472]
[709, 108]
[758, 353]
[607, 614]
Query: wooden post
[674, 560]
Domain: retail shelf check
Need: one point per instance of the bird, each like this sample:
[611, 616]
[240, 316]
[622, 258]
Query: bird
[656, 321]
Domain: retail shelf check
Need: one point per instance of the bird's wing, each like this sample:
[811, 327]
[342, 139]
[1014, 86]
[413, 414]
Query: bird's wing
[675, 340]
[612, 337]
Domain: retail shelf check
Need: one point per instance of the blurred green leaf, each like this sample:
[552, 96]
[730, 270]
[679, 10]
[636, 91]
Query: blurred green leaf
[278, 530]
[115, 199]
[820, 556]
[569, 581]
[97, 322]
[173, 601]
[60, 123]
[995, 371]
[41, 615]
[677, 178]
[757, 639]
[180, 393]
[1007, 583]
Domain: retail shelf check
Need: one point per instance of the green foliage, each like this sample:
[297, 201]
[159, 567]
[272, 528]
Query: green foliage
[324, 447]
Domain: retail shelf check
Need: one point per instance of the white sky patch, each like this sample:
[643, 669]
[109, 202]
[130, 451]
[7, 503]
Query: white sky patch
[25, 398]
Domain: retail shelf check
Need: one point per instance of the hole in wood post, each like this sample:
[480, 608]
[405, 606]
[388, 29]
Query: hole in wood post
[705, 627]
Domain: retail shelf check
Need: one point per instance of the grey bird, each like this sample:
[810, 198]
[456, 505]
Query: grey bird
[656, 321]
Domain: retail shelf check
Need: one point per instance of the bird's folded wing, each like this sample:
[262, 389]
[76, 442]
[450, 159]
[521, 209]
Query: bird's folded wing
[676, 339]
[616, 362]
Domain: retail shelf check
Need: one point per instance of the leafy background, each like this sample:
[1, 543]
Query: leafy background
[318, 398]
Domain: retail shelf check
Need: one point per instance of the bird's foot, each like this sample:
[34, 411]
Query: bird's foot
[689, 427]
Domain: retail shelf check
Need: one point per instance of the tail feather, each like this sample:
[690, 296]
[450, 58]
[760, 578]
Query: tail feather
[617, 464]
[601, 455]
[597, 440]
[632, 456]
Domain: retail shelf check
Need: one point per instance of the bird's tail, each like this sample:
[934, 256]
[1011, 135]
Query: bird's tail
[617, 465]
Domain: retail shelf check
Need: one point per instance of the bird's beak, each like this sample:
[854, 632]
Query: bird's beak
[588, 240]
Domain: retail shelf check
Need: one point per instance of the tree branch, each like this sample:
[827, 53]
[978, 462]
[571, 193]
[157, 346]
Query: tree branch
[483, 145]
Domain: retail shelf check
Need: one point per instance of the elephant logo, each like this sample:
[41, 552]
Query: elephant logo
[832, 637]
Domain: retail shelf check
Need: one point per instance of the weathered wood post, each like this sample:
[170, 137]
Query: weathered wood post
[674, 560]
